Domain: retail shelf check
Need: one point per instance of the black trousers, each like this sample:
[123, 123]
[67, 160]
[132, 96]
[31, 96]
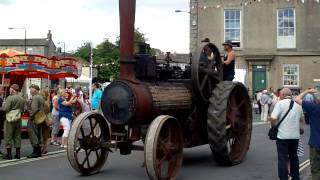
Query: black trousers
[228, 77]
[287, 150]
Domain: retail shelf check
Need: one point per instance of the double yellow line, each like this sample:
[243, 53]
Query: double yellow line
[303, 165]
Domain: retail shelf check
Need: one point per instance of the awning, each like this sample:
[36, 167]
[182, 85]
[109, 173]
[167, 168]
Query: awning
[81, 79]
[10, 52]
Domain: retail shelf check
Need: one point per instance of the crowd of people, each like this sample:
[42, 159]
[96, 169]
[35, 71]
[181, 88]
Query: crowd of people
[287, 111]
[48, 111]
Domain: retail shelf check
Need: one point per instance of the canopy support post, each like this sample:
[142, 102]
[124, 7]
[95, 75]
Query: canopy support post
[2, 80]
[49, 84]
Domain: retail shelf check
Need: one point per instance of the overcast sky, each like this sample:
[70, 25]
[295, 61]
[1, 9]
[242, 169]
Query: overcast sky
[77, 21]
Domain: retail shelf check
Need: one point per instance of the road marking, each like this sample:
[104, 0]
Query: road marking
[259, 123]
[303, 165]
[26, 160]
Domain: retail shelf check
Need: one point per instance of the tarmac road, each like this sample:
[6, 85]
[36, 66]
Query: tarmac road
[260, 164]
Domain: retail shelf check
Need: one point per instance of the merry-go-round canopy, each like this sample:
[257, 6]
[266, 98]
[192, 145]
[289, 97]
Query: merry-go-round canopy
[36, 66]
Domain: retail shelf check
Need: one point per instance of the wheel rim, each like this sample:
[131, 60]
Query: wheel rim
[164, 148]
[238, 123]
[87, 143]
[202, 82]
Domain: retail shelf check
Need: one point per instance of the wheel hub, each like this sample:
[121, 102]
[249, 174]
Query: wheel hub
[91, 143]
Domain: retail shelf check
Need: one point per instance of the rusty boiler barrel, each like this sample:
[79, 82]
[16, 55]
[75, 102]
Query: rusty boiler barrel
[170, 97]
[124, 102]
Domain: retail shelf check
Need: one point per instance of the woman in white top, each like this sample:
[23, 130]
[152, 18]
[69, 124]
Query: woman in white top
[55, 116]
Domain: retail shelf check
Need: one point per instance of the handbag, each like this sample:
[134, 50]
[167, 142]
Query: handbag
[40, 117]
[273, 131]
[49, 120]
[13, 115]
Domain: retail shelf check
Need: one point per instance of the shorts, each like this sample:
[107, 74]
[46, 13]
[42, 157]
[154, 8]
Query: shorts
[66, 123]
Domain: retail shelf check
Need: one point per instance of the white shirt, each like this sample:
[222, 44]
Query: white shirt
[259, 96]
[55, 112]
[290, 127]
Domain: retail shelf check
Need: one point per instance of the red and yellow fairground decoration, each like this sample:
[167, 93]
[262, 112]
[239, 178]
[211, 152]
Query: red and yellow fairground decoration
[36, 66]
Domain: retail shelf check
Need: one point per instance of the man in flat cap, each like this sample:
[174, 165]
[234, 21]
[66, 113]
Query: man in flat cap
[229, 61]
[13, 107]
[34, 130]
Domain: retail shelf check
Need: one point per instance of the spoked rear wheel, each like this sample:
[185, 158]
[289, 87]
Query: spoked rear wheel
[163, 148]
[229, 123]
[87, 144]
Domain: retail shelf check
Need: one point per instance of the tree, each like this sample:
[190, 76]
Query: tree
[83, 51]
[106, 55]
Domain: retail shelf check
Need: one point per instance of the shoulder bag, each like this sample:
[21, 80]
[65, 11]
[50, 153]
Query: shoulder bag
[273, 131]
[40, 117]
[13, 115]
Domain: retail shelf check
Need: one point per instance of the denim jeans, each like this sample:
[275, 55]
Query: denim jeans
[287, 150]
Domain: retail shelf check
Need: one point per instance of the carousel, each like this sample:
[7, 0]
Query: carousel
[17, 68]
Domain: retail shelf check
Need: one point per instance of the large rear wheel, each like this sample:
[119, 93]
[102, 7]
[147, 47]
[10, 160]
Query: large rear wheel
[229, 123]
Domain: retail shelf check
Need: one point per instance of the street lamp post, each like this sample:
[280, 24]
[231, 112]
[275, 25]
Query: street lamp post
[64, 48]
[25, 37]
[25, 45]
[189, 12]
[193, 24]
[91, 64]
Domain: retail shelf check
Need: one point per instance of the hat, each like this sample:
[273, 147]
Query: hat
[15, 87]
[206, 40]
[228, 43]
[36, 87]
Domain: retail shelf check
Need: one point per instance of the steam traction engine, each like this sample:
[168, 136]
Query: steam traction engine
[166, 107]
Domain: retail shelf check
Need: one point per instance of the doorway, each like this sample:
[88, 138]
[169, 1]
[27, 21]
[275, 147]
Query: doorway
[259, 78]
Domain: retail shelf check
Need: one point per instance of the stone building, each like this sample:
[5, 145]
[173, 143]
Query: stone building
[277, 41]
[39, 46]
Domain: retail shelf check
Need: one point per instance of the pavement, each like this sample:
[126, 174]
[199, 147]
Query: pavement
[260, 163]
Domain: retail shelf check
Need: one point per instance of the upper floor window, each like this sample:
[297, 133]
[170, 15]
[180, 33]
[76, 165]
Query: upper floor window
[286, 35]
[232, 26]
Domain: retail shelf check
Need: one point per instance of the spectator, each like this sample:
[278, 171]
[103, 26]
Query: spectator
[79, 93]
[259, 94]
[308, 98]
[55, 117]
[45, 129]
[13, 107]
[96, 97]
[2, 117]
[34, 130]
[272, 101]
[313, 111]
[264, 100]
[84, 104]
[65, 115]
[288, 134]
[70, 89]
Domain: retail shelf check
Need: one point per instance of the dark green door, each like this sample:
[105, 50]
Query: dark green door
[259, 78]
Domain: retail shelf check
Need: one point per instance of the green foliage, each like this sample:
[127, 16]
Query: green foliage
[106, 55]
[83, 51]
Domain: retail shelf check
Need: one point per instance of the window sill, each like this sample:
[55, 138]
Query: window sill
[237, 48]
[286, 49]
[292, 87]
